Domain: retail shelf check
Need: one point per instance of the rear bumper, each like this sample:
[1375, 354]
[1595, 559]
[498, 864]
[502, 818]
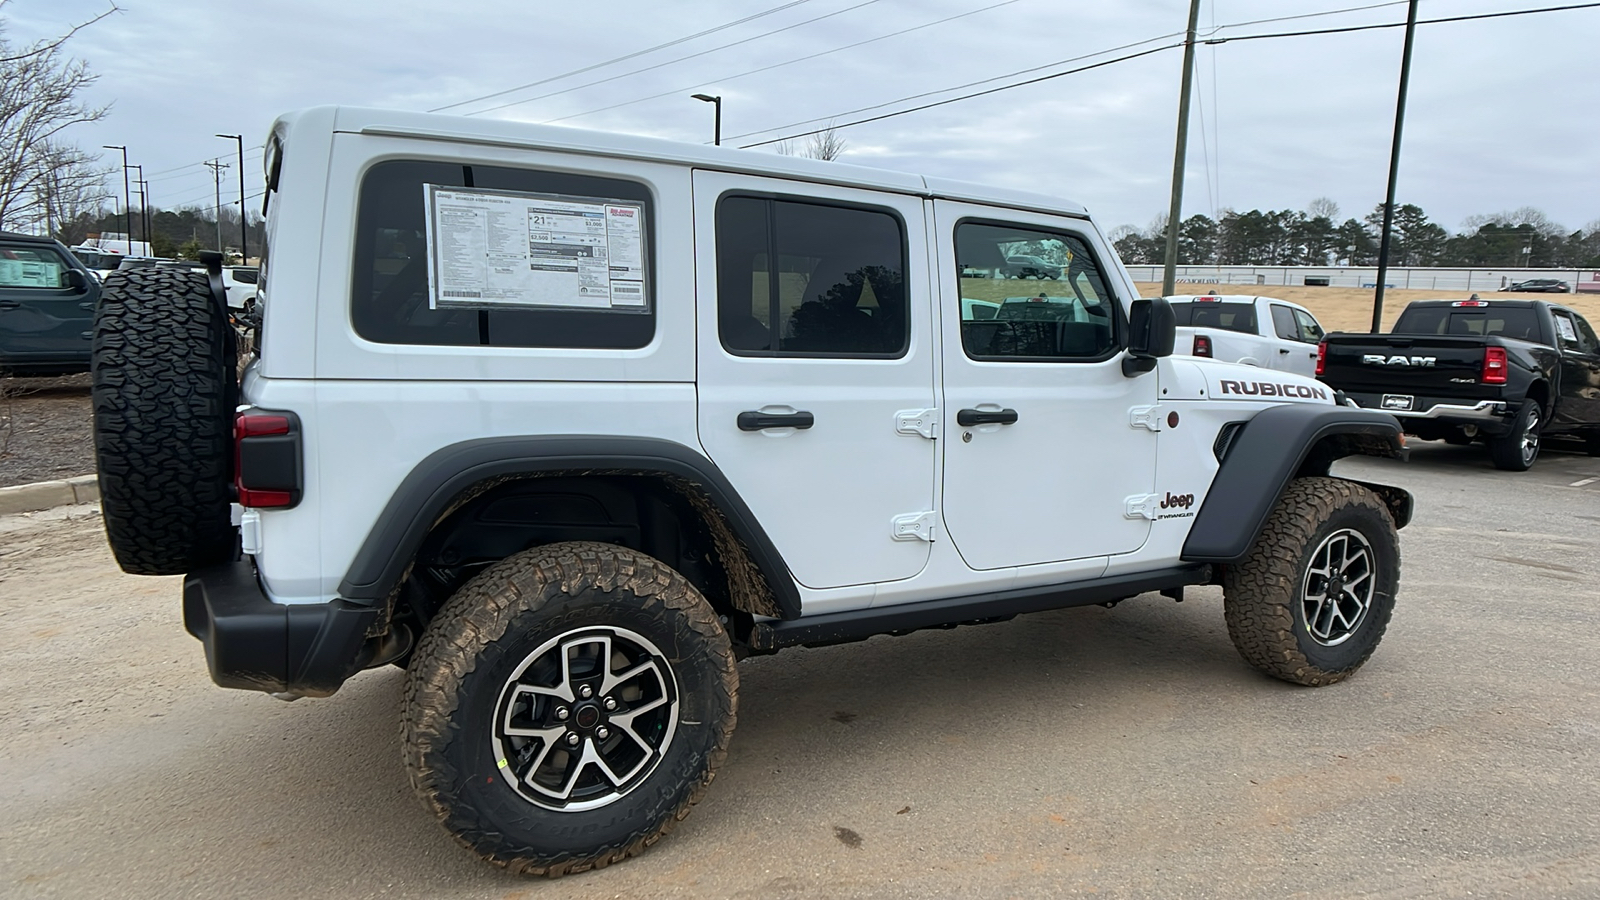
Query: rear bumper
[255, 644]
[1490, 416]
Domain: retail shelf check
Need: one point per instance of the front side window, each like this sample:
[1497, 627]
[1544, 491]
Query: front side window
[520, 258]
[804, 279]
[1310, 330]
[32, 267]
[1032, 295]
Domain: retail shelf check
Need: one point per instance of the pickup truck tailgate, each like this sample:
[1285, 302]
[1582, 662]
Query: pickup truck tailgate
[1436, 365]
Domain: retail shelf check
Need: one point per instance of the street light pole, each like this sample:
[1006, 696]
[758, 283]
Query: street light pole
[1169, 270]
[244, 220]
[1394, 168]
[716, 133]
[127, 212]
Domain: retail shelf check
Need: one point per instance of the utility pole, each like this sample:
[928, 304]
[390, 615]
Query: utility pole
[1394, 168]
[144, 208]
[244, 220]
[144, 228]
[216, 166]
[1175, 211]
[127, 212]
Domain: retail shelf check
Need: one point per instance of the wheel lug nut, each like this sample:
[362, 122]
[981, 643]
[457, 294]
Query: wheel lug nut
[572, 738]
[562, 712]
[611, 703]
[586, 692]
[602, 732]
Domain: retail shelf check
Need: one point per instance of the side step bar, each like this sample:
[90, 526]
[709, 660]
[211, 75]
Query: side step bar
[859, 624]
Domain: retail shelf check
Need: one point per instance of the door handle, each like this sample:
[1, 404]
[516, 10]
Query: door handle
[10, 304]
[968, 417]
[1283, 350]
[752, 420]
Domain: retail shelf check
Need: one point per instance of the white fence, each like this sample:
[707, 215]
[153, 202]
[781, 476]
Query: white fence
[1367, 276]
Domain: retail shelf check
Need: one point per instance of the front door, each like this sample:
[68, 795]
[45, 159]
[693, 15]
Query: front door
[815, 359]
[43, 317]
[1042, 452]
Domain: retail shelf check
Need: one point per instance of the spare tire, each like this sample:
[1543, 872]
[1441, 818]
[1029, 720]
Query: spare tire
[164, 397]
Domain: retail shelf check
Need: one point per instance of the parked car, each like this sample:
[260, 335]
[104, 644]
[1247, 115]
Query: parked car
[568, 490]
[1504, 372]
[1256, 331]
[1030, 267]
[47, 306]
[1539, 286]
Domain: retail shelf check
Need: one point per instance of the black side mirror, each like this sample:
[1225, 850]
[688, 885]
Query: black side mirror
[77, 280]
[1152, 330]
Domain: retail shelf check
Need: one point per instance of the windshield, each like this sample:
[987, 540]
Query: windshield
[1501, 321]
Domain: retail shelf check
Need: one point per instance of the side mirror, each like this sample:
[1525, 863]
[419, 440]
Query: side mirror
[77, 280]
[1152, 330]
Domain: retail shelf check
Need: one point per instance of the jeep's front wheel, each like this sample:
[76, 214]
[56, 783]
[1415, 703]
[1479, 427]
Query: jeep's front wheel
[1311, 601]
[567, 706]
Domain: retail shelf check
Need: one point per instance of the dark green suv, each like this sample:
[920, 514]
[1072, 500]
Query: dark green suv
[47, 302]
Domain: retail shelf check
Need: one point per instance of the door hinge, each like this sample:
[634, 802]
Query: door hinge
[1141, 506]
[1145, 417]
[917, 526]
[924, 422]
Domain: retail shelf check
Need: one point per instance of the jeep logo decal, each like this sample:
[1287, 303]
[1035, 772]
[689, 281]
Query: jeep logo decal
[1418, 362]
[1180, 501]
[1270, 389]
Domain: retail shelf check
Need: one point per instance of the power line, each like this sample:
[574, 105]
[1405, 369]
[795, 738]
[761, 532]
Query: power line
[674, 61]
[782, 64]
[1131, 56]
[637, 53]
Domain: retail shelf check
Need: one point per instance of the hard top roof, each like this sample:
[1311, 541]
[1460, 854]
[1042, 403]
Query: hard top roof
[502, 132]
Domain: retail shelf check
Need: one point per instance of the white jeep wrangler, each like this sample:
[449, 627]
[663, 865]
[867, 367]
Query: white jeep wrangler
[568, 423]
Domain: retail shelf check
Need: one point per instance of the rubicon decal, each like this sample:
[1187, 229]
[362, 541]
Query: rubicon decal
[1273, 389]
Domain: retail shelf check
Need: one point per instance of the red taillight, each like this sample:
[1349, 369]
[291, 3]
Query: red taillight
[1322, 356]
[1494, 365]
[1202, 346]
[246, 425]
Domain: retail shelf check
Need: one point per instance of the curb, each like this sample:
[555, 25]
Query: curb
[46, 494]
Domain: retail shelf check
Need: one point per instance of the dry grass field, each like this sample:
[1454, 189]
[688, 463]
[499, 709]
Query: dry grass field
[1350, 309]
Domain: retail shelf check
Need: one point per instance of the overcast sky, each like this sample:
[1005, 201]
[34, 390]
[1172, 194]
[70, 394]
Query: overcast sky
[1503, 113]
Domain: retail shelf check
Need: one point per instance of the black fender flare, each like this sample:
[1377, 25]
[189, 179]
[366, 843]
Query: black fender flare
[1274, 447]
[426, 495]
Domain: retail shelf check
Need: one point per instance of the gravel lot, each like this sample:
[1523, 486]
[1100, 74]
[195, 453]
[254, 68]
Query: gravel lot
[45, 429]
[1122, 753]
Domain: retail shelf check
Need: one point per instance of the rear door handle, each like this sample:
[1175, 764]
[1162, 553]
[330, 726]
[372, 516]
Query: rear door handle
[751, 420]
[969, 417]
[10, 304]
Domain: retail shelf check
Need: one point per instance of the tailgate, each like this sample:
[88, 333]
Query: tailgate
[1436, 365]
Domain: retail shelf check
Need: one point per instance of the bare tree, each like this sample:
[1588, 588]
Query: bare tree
[69, 187]
[1323, 207]
[826, 144]
[39, 89]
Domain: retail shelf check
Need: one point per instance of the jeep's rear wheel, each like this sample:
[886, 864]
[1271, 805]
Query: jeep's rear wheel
[164, 396]
[1312, 600]
[567, 706]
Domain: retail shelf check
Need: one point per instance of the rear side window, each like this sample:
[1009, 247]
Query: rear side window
[1493, 321]
[32, 267]
[552, 265]
[805, 279]
[1240, 317]
[1283, 323]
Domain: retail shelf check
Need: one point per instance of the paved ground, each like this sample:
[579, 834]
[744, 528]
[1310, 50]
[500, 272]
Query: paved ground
[1123, 753]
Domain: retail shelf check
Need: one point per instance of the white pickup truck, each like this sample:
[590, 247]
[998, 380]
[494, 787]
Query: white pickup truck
[1256, 331]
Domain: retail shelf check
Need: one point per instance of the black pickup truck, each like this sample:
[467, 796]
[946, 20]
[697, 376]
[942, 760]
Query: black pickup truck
[1504, 372]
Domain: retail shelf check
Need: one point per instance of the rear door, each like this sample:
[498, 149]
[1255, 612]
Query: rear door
[1580, 370]
[43, 317]
[816, 361]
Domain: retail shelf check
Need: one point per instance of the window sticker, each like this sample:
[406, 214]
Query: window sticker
[1564, 327]
[510, 249]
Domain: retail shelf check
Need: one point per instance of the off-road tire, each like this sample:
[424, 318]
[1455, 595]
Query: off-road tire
[1262, 595]
[1507, 450]
[474, 644]
[164, 393]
